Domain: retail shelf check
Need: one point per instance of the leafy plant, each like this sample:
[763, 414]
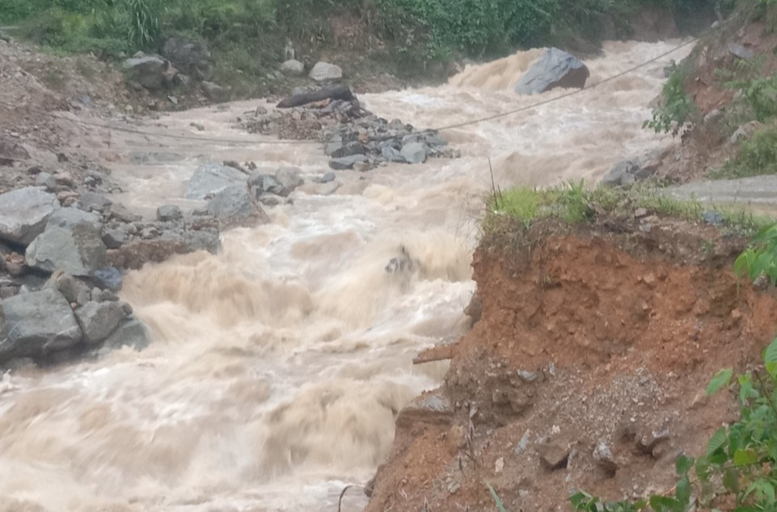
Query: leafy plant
[756, 156]
[676, 110]
[759, 91]
[761, 257]
[739, 460]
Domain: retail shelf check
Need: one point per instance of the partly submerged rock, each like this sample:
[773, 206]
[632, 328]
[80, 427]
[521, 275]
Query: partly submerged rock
[347, 162]
[98, 320]
[211, 179]
[37, 324]
[234, 207]
[556, 68]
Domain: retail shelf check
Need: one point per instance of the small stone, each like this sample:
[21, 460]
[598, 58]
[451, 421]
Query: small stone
[499, 465]
[647, 442]
[293, 67]
[552, 455]
[640, 213]
[45, 179]
[604, 458]
[713, 218]
[326, 178]
[199, 127]
[126, 307]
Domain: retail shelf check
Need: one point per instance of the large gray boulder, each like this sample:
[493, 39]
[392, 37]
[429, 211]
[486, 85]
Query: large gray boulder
[556, 68]
[77, 250]
[234, 207]
[24, 213]
[168, 213]
[71, 217]
[99, 319]
[212, 179]
[149, 71]
[37, 324]
[324, 71]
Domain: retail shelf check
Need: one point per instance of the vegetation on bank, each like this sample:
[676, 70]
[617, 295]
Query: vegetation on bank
[573, 203]
[753, 110]
[250, 35]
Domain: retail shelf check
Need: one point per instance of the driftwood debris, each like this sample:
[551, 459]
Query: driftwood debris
[436, 353]
[340, 92]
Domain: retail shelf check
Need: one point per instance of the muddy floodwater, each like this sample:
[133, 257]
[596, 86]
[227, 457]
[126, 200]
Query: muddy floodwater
[278, 365]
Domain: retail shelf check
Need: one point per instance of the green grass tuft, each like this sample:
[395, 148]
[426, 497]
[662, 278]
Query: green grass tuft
[574, 204]
[756, 156]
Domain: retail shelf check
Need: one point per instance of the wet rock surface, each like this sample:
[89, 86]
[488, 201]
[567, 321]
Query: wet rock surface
[556, 68]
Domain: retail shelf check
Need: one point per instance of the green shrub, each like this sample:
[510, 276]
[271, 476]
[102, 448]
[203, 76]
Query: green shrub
[756, 156]
[677, 108]
[761, 257]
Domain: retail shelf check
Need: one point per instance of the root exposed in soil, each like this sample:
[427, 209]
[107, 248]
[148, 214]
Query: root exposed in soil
[586, 370]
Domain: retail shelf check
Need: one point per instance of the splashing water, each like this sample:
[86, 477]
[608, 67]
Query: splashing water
[279, 365]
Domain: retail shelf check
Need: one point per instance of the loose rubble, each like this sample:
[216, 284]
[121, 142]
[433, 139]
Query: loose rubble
[353, 137]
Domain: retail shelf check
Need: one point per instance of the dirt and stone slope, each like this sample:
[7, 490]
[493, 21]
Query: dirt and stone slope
[585, 369]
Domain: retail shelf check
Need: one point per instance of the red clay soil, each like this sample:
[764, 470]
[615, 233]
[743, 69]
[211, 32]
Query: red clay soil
[585, 371]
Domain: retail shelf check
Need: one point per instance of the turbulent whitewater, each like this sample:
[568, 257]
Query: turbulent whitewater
[278, 366]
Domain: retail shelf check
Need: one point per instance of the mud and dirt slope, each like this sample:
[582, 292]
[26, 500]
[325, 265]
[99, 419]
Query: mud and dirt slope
[585, 371]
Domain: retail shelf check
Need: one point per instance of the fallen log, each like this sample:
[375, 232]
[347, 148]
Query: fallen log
[340, 92]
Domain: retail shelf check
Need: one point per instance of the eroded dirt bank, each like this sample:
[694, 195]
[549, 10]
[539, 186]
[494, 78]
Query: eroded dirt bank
[586, 369]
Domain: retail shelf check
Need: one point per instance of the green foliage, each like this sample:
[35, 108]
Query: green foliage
[761, 257]
[756, 156]
[739, 460]
[758, 91]
[677, 107]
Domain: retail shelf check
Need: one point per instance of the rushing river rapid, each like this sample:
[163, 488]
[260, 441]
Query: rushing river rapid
[278, 365]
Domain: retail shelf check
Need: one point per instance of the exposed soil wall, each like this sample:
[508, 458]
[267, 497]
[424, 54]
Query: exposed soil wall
[585, 371]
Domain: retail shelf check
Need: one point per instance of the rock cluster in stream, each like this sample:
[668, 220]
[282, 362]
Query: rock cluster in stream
[64, 248]
[353, 137]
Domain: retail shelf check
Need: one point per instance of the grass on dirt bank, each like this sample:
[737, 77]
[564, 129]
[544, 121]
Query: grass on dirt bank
[576, 204]
[756, 156]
